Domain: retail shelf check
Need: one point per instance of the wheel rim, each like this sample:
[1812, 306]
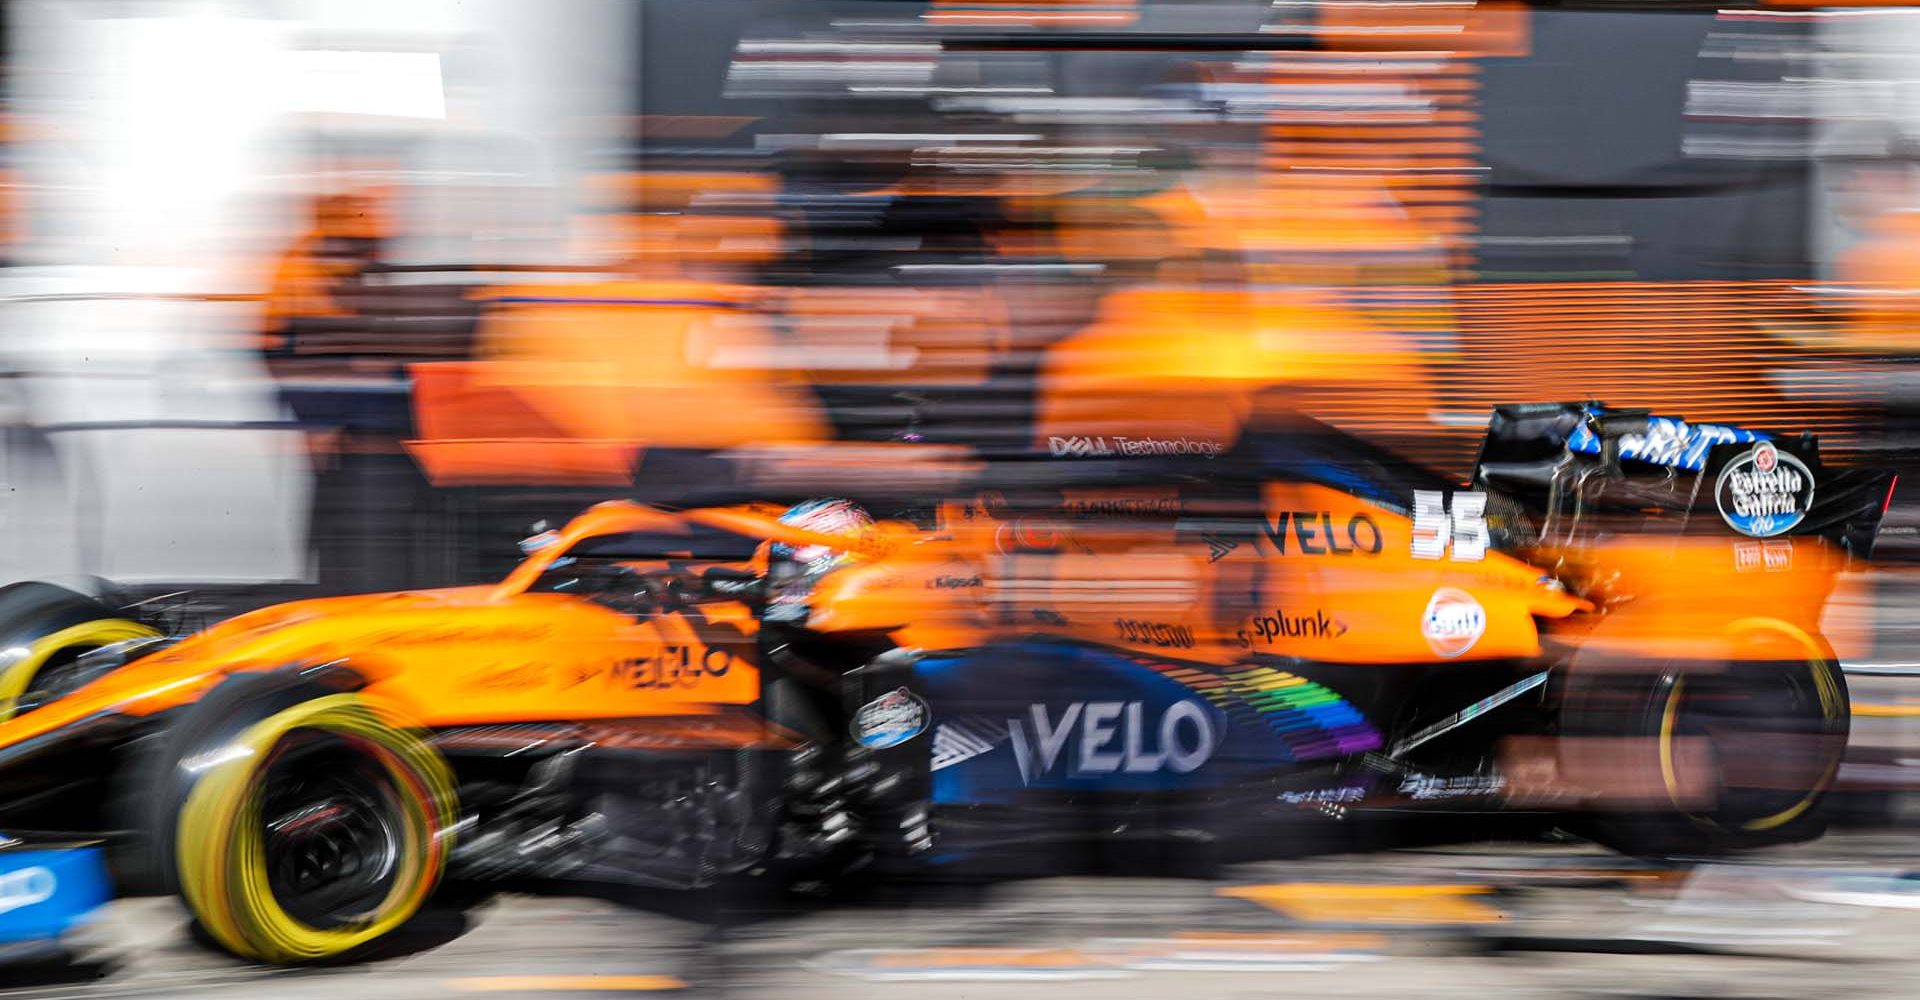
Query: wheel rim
[1773, 731]
[332, 827]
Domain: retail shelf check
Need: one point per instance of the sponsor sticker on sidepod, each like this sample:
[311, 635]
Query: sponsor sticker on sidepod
[1764, 492]
[1453, 622]
[1084, 446]
[26, 887]
[890, 720]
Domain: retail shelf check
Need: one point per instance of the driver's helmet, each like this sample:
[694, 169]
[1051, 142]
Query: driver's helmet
[794, 570]
[828, 517]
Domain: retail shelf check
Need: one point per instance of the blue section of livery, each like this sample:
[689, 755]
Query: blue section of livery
[1041, 716]
[46, 892]
[1670, 442]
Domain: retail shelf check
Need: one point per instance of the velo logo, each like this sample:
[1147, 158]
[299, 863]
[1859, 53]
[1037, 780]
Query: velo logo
[1115, 737]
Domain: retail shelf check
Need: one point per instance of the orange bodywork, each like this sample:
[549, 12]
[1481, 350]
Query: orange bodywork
[1704, 598]
[1319, 555]
[464, 655]
[1323, 576]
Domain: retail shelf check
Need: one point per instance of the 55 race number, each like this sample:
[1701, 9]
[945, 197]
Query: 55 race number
[1463, 529]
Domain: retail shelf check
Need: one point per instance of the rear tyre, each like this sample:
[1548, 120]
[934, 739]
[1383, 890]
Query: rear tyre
[1742, 751]
[312, 832]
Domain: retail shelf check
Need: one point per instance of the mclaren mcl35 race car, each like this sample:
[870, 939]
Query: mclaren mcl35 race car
[1616, 621]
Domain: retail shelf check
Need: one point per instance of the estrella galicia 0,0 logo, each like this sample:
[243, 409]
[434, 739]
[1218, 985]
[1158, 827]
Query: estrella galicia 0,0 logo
[1764, 492]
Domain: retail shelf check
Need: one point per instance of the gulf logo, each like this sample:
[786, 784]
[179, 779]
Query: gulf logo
[1453, 622]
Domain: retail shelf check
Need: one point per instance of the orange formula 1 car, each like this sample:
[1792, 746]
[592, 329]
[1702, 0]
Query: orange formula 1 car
[1618, 623]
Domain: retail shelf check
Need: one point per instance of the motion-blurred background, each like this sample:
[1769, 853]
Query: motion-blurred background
[331, 296]
[346, 293]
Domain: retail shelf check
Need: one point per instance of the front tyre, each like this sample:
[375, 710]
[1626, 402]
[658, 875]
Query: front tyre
[313, 833]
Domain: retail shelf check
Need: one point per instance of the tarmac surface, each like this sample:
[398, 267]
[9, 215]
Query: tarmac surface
[1835, 918]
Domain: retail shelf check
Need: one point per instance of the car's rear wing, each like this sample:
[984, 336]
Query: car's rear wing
[1561, 460]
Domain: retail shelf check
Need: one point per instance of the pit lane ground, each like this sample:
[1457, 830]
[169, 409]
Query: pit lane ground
[1833, 918]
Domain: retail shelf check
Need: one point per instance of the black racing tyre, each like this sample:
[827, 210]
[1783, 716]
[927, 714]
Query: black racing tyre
[298, 824]
[150, 784]
[1745, 749]
[44, 630]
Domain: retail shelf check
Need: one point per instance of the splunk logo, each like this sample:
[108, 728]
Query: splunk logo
[1281, 625]
[1109, 737]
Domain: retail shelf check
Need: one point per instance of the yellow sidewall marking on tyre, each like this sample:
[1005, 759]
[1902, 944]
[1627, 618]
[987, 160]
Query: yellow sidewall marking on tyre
[221, 844]
[17, 678]
[1826, 687]
[1668, 773]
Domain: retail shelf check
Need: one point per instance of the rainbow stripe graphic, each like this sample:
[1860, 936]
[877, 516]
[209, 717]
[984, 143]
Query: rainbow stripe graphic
[1311, 720]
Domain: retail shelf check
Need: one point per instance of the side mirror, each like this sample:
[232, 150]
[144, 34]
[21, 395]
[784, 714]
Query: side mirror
[541, 537]
[731, 584]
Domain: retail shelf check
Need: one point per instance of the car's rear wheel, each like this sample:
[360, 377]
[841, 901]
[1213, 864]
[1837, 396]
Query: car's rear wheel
[313, 832]
[1742, 750]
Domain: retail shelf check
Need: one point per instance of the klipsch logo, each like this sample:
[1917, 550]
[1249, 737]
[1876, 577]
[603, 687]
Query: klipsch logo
[1764, 492]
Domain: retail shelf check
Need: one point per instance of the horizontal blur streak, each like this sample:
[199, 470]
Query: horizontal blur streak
[1157, 364]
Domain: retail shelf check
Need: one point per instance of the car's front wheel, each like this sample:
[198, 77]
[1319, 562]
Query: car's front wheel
[313, 832]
